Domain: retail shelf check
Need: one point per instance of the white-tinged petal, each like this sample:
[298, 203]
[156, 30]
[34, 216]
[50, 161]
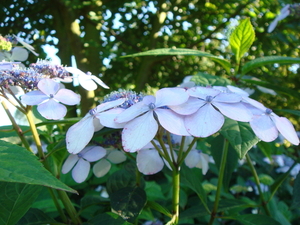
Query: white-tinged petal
[28, 46]
[48, 86]
[108, 117]
[149, 162]
[19, 54]
[97, 125]
[238, 91]
[227, 98]
[99, 81]
[67, 97]
[80, 134]
[139, 132]
[69, 163]
[264, 128]
[86, 82]
[116, 156]
[94, 153]
[287, 129]
[132, 112]
[171, 121]
[189, 107]
[202, 92]
[101, 168]
[52, 110]
[235, 111]
[81, 171]
[203, 163]
[205, 122]
[108, 105]
[171, 96]
[6, 65]
[192, 159]
[33, 98]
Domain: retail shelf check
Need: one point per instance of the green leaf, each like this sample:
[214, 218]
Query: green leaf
[154, 191]
[128, 202]
[36, 217]
[242, 38]
[15, 200]
[207, 79]
[296, 192]
[255, 219]
[266, 148]
[191, 179]
[240, 136]
[258, 62]
[183, 51]
[290, 111]
[108, 219]
[19, 165]
[159, 208]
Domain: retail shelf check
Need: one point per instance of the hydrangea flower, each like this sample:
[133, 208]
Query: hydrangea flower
[142, 118]
[196, 158]
[80, 162]
[80, 134]
[16, 54]
[267, 125]
[102, 167]
[87, 80]
[48, 97]
[206, 109]
[284, 12]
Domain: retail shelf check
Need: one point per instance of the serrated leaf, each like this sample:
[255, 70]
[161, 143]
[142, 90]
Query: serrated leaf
[183, 51]
[296, 192]
[36, 217]
[242, 38]
[240, 136]
[255, 219]
[259, 62]
[15, 200]
[19, 165]
[128, 202]
[207, 79]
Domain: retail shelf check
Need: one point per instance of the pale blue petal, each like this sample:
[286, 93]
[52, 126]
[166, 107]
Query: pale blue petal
[67, 97]
[286, 128]
[108, 117]
[33, 98]
[235, 111]
[94, 153]
[48, 86]
[192, 159]
[132, 112]
[116, 156]
[149, 162]
[101, 168]
[108, 105]
[202, 92]
[81, 171]
[264, 128]
[69, 163]
[19, 54]
[86, 82]
[52, 110]
[139, 132]
[189, 107]
[227, 98]
[99, 81]
[171, 96]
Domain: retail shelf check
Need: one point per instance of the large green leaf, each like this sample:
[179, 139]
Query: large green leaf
[258, 62]
[255, 219]
[128, 202]
[240, 136]
[36, 217]
[184, 51]
[108, 219]
[242, 38]
[19, 165]
[15, 200]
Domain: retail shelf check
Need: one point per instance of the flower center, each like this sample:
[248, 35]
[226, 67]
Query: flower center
[151, 106]
[209, 99]
[51, 96]
[268, 111]
[93, 111]
[79, 155]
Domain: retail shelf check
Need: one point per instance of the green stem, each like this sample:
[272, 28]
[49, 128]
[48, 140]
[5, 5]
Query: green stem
[256, 179]
[175, 197]
[220, 181]
[16, 127]
[185, 153]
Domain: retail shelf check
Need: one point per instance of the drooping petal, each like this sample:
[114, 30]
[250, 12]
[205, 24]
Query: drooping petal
[99, 81]
[149, 162]
[192, 159]
[264, 128]
[101, 168]
[238, 91]
[189, 107]
[86, 82]
[203, 163]
[139, 132]
[80, 134]
[108, 117]
[69, 163]
[94, 153]
[81, 171]
[108, 105]
[171, 121]
[67, 97]
[171, 96]
[205, 122]
[28, 46]
[48, 86]
[19, 54]
[235, 111]
[52, 110]
[33, 98]
[97, 125]
[132, 112]
[287, 129]
[116, 157]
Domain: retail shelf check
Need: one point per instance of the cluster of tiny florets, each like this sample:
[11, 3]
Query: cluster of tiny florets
[49, 69]
[5, 44]
[130, 96]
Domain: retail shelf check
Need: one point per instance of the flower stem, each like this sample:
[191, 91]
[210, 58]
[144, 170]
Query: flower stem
[175, 197]
[220, 181]
[256, 178]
